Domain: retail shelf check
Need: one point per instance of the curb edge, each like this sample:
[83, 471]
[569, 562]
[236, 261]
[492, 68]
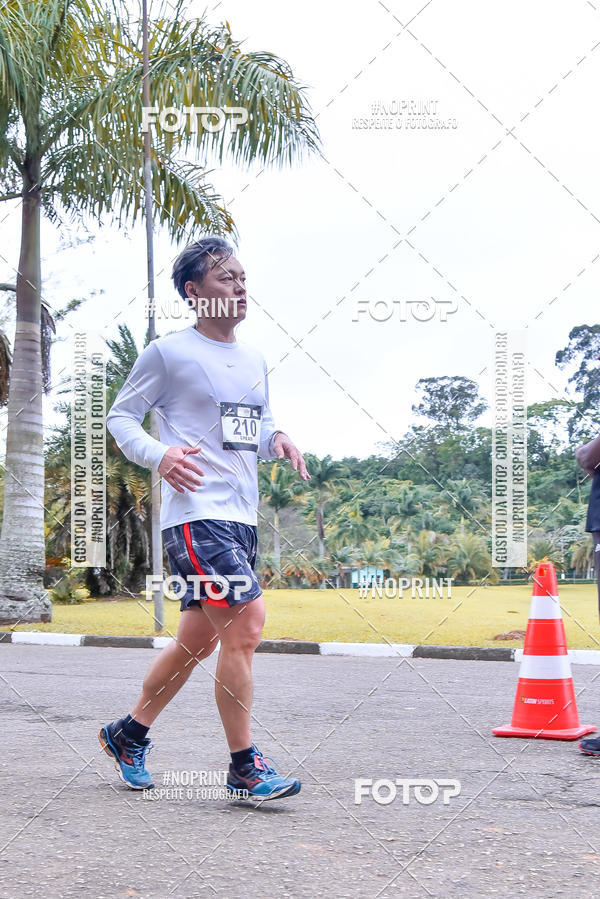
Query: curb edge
[303, 647]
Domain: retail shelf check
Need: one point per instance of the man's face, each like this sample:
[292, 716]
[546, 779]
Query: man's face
[222, 293]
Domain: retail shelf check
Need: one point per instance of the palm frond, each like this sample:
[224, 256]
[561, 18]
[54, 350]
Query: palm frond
[87, 178]
[192, 64]
[124, 352]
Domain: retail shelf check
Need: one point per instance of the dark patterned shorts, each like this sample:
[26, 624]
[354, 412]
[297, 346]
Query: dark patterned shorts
[596, 539]
[216, 560]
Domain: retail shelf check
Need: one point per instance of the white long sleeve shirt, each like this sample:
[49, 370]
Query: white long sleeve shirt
[207, 394]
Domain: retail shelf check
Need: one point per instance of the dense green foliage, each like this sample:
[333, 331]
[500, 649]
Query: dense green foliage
[421, 507]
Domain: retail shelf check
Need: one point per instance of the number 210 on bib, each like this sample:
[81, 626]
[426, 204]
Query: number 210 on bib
[241, 426]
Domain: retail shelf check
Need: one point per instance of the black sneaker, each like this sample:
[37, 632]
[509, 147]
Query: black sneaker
[590, 746]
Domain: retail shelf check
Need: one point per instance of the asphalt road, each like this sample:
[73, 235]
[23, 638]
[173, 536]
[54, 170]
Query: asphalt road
[525, 822]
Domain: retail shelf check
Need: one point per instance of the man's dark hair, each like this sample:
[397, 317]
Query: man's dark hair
[197, 259]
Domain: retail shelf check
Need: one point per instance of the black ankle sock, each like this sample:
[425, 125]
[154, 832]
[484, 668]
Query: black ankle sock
[242, 757]
[133, 730]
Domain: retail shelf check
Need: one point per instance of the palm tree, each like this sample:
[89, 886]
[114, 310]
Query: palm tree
[427, 554]
[469, 559]
[300, 569]
[350, 525]
[325, 475]
[414, 511]
[544, 550]
[409, 499]
[71, 139]
[127, 490]
[344, 557]
[582, 557]
[127, 504]
[265, 568]
[377, 553]
[278, 490]
[48, 321]
[464, 496]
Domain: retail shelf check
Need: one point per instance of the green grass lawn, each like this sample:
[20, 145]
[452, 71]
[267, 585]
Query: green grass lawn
[471, 616]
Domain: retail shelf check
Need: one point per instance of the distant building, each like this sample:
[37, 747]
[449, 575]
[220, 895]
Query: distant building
[364, 577]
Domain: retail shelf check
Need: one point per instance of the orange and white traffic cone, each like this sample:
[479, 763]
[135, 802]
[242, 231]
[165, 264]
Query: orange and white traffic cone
[545, 705]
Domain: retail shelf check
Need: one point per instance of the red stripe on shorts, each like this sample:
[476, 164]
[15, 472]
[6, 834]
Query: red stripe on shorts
[198, 567]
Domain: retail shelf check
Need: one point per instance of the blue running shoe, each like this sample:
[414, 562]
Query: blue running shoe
[128, 756]
[260, 780]
[591, 746]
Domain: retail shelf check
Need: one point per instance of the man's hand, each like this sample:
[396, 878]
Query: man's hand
[285, 449]
[177, 469]
[588, 456]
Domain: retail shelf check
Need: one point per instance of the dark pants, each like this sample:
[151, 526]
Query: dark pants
[596, 538]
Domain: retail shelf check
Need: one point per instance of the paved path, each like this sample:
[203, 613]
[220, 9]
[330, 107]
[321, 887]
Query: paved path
[525, 823]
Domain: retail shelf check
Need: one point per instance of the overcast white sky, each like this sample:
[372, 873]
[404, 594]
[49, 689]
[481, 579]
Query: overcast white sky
[506, 224]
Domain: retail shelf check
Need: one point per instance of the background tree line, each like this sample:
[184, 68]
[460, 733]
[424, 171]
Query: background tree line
[421, 506]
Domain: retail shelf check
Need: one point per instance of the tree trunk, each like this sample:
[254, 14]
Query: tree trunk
[22, 550]
[156, 533]
[321, 538]
[320, 530]
[276, 543]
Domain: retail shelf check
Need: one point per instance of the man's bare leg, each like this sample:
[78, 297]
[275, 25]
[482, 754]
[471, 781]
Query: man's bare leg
[196, 639]
[125, 739]
[239, 629]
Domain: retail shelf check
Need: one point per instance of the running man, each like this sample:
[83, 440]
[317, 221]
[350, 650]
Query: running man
[212, 402]
[588, 457]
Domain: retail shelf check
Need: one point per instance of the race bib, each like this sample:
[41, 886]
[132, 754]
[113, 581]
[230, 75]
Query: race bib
[240, 423]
